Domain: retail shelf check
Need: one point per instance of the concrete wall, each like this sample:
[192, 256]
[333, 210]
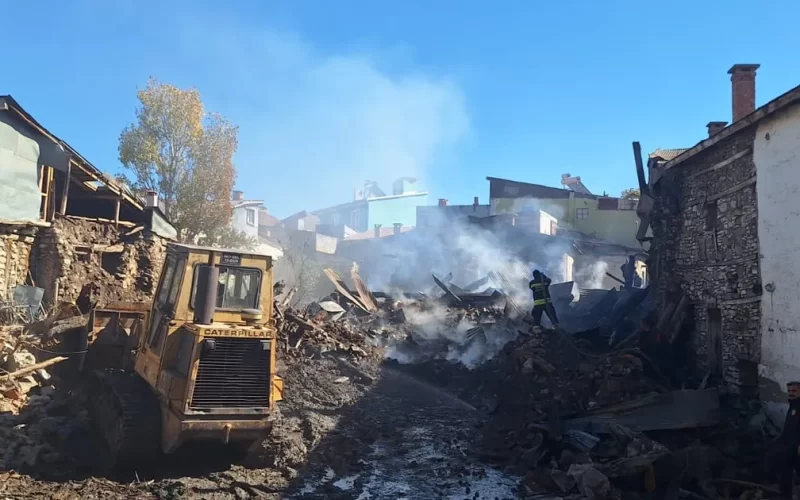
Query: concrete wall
[776, 153]
[325, 244]
[430, 215]
[240, 220]
[355, 215]
[616, 226]
[389, 211]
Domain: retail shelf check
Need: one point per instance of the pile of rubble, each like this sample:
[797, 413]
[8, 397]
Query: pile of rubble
[586, 412]
[34, 418]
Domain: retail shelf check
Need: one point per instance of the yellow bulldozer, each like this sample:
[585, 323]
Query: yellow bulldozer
[199, 363]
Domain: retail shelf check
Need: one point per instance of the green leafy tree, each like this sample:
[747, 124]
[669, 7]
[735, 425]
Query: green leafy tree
[185, 155]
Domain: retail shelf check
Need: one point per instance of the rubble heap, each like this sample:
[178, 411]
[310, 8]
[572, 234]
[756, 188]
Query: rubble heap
[566, 414]
[32, 417]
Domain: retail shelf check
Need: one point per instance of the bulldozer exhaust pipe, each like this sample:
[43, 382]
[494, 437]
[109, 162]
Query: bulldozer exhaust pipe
[207, 281]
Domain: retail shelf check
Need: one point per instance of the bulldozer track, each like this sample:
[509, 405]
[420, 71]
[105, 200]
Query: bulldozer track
[128, 416]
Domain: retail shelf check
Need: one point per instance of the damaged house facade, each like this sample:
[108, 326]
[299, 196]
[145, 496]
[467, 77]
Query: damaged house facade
[722, 215]
[66, 227]
[575, 207]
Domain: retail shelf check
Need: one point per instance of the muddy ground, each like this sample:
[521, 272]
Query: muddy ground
[350, 430]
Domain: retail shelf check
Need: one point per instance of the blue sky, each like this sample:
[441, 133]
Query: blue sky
[328, 94]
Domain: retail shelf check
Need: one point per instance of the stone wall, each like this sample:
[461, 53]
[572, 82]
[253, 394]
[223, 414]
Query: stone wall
[93, 264]
[705, 229]
[16, 242]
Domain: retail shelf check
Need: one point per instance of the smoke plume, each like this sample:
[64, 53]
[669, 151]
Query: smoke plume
[464, 252]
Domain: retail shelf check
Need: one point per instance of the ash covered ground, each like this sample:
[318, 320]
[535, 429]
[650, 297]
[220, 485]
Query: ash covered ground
[411, 398]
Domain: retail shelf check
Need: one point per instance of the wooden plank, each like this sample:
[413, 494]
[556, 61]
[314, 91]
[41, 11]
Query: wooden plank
[33, 368]
[65, 192]
[44, 189]
[99, 219]
[116, 213]
[363, 291]
[51, 196]
[341, 288]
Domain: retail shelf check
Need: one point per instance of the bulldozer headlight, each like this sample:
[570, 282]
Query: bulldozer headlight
[266, 345]
[209, 345]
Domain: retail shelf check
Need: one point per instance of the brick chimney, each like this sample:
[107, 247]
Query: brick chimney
[715, 127]
[442, 202]
[377, 230]
[743, 89]
[237, 196]
[151, 199]
[397, 226]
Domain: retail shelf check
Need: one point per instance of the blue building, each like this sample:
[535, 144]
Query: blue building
[372, 207]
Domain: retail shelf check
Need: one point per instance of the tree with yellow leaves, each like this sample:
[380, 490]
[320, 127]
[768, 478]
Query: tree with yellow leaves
[185, 155]
[630, 194]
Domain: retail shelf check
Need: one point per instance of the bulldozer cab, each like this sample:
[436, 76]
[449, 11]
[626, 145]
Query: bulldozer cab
[209, 347]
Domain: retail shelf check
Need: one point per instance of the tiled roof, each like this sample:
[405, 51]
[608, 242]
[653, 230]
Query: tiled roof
[667, 154]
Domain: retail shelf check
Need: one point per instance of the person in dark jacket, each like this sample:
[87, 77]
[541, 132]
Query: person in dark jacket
[628, 271]
[790, 440]
[540, 287]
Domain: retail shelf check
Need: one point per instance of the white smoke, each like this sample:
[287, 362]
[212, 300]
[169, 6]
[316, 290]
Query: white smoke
[440, 333]
[464, 252]
[594, 275]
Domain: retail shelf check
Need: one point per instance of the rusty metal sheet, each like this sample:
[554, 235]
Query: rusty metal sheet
[341, 288]
[363, 291]
[669, 411]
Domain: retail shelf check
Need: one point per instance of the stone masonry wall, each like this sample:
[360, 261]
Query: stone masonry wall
[93, 264]
[705, 229]
[16, 242]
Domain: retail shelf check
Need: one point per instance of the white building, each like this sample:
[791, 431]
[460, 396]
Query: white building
[245, 219]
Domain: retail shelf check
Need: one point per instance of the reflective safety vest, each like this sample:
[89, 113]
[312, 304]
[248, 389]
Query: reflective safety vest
[539, 294]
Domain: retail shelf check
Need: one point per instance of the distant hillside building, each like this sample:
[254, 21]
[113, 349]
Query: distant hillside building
[371, 207]
[576, 208]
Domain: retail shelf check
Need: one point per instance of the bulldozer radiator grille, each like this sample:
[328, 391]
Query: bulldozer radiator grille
[235, 374]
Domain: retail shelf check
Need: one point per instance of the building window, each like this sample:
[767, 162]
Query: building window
[337, 219]
[581, 213]
[355, 219]
[251, 217]
[511, 190]
[553, 228]
[711, 215]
